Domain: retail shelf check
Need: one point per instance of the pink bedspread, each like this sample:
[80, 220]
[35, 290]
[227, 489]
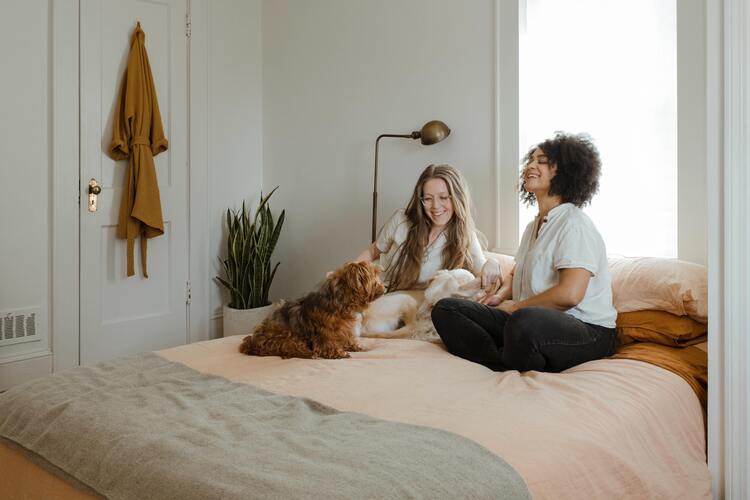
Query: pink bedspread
[590, 432]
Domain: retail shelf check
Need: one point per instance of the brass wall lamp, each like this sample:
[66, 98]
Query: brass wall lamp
[431, 133]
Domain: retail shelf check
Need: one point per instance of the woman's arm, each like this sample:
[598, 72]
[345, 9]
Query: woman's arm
[486, 268]
[369, 254]
[568, 293]
[503, 293]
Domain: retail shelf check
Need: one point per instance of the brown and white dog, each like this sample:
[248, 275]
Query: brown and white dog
[384, 316]
[323, 323]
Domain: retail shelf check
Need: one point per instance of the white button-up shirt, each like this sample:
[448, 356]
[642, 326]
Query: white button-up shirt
[393, 235]
[567, 239]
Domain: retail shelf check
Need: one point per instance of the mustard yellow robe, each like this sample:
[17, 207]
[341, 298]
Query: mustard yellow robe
[138, 136]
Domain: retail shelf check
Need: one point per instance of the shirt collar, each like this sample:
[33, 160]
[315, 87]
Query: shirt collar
[559, 210]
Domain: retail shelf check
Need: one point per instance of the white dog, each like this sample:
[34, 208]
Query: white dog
[385, 315]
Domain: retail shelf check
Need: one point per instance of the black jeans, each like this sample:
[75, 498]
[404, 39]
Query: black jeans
[534, 338]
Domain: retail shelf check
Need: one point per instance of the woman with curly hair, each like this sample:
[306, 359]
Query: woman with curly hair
[436, 231]
[556, 311]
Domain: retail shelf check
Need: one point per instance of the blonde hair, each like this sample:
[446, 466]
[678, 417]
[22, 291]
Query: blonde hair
[403, 271]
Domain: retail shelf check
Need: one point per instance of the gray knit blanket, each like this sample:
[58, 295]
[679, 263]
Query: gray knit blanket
[143, 427]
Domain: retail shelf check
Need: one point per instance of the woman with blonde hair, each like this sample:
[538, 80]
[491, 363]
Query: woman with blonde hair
[436, 231]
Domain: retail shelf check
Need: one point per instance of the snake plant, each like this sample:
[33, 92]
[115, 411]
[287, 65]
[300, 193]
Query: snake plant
[247, 268]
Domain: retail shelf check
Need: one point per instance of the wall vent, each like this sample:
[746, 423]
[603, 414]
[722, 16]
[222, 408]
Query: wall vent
[19, 326]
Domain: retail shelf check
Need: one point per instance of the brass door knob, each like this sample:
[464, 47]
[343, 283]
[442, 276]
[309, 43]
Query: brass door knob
[94, 190]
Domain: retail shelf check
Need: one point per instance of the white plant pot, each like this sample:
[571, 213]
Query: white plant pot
[244, 321]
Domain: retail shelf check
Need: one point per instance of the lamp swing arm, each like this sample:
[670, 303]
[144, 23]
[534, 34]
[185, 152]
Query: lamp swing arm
[431, 133]
[413, 135]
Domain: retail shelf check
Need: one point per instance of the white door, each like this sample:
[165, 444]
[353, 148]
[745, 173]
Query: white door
[121, 315]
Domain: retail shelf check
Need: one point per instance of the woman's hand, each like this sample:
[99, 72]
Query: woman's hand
[369, 254]
[508, 306]
[497, 296]
[491, 299]
[491, 277]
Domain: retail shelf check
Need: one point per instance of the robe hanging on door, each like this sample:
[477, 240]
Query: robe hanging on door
[137, 135]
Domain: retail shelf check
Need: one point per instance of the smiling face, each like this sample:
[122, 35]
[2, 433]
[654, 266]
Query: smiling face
[538, 173]
[437, 202]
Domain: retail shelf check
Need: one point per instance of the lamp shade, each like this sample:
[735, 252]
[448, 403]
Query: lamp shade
[433, 132]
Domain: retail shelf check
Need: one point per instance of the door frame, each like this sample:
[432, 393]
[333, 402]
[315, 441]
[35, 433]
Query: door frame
[728, 127]
[68, 187]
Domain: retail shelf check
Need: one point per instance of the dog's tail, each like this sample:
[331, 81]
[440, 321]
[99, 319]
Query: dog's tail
[408, 317]
[405, 332]
[419, 329]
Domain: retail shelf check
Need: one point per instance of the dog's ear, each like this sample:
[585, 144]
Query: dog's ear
[345, 283]
[438, 282]
[364, 281]
[333, 283]
[355, 282]
[358, 276]
[469, 289]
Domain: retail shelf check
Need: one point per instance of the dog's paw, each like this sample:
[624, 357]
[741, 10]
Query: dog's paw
[340, 354]
[333, 354]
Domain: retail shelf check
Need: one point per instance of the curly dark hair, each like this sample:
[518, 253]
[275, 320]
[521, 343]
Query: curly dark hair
[578, 168]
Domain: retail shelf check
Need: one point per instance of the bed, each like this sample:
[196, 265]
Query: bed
[406, 420]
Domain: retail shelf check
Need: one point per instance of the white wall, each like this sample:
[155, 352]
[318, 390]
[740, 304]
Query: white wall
[25, 180]
[336, 74]
[235, 148]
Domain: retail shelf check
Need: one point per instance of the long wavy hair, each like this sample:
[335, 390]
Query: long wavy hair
[403, 271]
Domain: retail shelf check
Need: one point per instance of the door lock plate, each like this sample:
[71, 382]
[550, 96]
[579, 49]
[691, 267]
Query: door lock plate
[94, 190]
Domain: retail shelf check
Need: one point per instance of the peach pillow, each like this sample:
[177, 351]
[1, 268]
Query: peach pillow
[659, 327]
[652, 283]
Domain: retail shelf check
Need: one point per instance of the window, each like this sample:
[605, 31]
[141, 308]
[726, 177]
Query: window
[608, 68]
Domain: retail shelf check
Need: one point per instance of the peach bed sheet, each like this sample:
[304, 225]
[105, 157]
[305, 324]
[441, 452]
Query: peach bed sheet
[590, 432]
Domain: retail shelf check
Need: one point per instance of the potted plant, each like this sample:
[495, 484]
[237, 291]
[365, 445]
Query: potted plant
[247, 268]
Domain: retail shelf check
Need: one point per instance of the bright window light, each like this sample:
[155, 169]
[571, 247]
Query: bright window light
[609, 68]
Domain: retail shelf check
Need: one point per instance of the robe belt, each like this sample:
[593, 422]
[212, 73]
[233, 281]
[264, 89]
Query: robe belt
[140, 139]
[145, 141]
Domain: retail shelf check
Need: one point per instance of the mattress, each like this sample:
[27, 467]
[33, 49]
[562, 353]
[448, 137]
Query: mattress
[612, 428]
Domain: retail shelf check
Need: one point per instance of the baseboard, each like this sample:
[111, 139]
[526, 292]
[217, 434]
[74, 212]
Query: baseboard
[18, 372]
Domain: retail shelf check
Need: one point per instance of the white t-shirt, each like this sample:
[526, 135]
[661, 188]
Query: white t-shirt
[567, 239]
[394, 234]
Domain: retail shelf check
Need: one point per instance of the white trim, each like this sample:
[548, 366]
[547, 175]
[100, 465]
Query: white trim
[506, 151]
[714, 106]
[728, 130]
[25, 356]
[199, 323]
[736, 272]
[65, 184]
[714, 195]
